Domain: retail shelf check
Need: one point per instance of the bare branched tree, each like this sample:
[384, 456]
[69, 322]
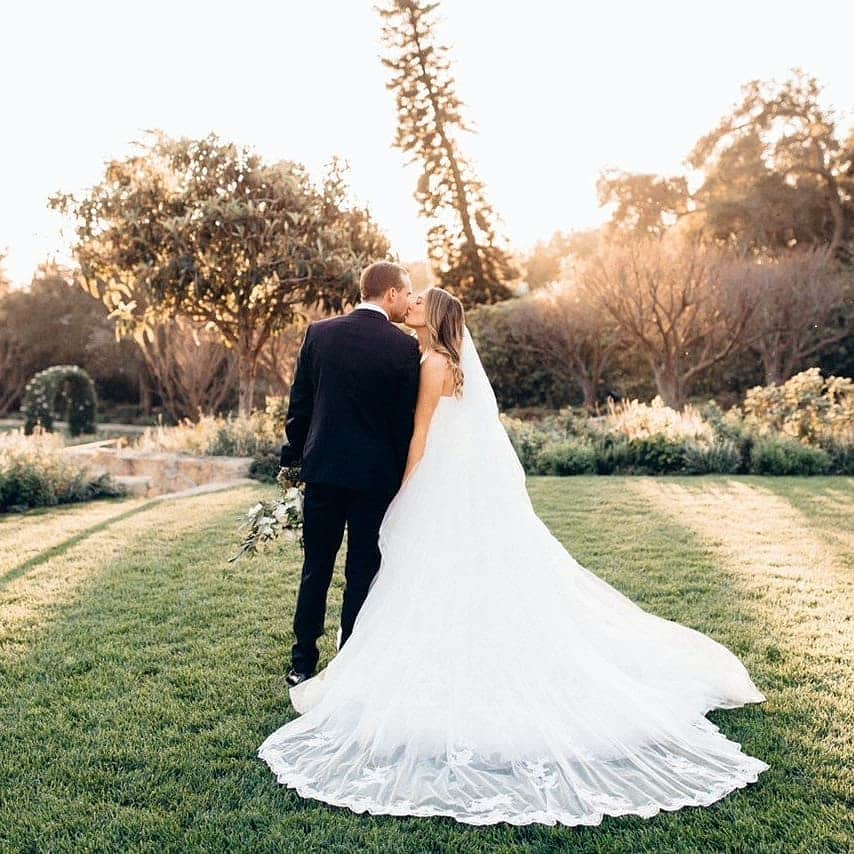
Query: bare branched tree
[672, 301]
[803, 306]
[570, 334]
[192, 370]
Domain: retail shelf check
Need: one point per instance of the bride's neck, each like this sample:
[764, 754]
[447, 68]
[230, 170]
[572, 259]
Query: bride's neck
[423, 337]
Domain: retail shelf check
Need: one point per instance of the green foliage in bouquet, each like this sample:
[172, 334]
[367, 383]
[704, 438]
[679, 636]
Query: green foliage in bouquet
[268, 520]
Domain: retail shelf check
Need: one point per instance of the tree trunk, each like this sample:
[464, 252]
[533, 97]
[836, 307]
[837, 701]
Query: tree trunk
[144, 382]
[247, 368]
[670, 387]
[773, 374]
[588, 389]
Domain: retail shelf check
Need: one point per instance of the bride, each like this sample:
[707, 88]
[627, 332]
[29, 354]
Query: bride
[489, 676]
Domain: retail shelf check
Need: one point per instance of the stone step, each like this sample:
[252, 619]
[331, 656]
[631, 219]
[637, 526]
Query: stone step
[135, 484]
[205, 488]
[166, 472]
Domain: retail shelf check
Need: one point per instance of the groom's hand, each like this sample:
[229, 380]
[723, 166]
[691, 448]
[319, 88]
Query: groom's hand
[289, 457]
[289, 476]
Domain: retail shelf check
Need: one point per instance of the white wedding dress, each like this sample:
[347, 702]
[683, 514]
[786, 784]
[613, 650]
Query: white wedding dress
[491, 678]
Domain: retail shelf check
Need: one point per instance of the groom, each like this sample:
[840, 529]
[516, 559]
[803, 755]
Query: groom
[350, 421]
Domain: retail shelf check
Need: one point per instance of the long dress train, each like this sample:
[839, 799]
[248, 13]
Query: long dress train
[490, 677]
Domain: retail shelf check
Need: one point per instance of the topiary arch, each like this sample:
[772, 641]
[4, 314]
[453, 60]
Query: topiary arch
[62, 389]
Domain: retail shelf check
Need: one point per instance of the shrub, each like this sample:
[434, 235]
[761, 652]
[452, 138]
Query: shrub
[23, 486]
[617, 454]
[612, 453]
[781, 456]
[655, 454]
[528, 440]
[841, 459]
[721, 456]
[567, 458]
[518, 376]
[730, 429]
[258, 435]
[265, 468]
[34, 472]
[816, 413]
[64, 389]
[639, 438]
[807, 407]
[637, 420]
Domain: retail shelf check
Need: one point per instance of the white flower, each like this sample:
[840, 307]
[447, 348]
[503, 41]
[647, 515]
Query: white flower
[295, 498]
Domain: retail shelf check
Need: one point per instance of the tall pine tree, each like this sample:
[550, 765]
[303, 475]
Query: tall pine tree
[462, 241]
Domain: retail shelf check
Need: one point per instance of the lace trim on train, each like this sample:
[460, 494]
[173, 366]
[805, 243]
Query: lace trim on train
[539, 777]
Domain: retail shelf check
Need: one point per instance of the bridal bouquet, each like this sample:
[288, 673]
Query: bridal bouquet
[268, 520]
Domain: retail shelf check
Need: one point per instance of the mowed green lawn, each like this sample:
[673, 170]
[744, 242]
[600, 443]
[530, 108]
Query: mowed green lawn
[140, 671]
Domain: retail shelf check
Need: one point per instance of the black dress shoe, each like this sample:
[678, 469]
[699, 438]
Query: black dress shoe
[294, 677]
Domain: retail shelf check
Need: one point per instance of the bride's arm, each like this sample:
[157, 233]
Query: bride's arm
[430, 387]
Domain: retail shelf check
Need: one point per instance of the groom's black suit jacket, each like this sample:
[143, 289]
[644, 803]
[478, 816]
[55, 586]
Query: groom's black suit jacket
[352, 402]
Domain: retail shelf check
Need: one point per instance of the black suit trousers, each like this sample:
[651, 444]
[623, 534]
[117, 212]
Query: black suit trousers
[328, 510]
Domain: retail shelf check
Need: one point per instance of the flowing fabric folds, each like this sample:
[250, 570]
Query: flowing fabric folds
[492, 678]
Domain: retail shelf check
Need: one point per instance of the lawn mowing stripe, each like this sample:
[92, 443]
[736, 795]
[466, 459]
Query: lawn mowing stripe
[30, 592]
[132, 722]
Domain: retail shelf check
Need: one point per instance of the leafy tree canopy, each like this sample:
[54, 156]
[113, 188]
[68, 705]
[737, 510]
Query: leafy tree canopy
[204, 229]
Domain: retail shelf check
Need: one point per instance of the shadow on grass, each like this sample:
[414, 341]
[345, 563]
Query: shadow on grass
[134, 722]
[54, 551]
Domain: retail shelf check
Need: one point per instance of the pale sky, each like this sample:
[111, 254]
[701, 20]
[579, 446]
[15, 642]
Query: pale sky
[558, 91]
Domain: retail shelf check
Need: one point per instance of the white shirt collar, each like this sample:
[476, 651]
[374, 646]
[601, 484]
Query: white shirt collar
[374, 307]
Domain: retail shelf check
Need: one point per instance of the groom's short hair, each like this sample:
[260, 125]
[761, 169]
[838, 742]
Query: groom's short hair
[379, 277]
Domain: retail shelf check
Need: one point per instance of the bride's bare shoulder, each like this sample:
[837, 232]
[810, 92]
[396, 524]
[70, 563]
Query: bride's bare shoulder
[433, 362]
[434, 370]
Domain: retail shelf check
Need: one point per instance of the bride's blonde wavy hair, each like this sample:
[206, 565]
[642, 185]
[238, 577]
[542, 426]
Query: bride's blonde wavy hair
[445, 319]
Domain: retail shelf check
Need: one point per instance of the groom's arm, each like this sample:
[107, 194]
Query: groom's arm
[299, 407]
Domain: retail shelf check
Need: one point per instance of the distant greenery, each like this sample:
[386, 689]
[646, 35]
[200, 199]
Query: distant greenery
[804, 427]
[140, 672]
[258, 435]
[34, 472]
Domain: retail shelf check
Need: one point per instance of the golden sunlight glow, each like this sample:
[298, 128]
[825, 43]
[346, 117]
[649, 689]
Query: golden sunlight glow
[557, 92]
